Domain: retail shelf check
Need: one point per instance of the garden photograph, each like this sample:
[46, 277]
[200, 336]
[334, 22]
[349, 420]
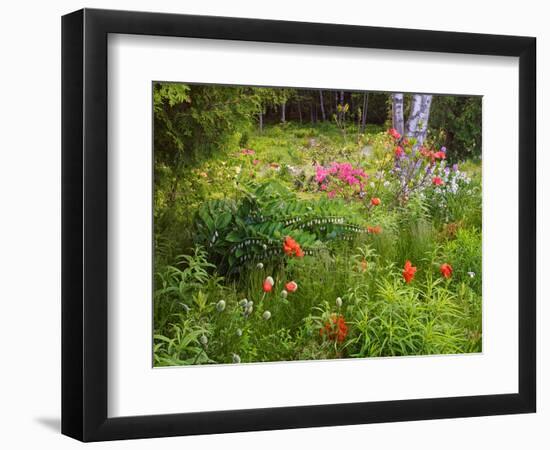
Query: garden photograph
[314, 224]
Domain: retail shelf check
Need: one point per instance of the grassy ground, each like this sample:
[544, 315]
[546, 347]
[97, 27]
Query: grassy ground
[220, 234]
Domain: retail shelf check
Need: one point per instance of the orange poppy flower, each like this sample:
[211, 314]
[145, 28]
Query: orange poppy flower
[408, 271]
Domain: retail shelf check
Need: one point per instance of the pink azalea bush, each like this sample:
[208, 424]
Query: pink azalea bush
[341, 179]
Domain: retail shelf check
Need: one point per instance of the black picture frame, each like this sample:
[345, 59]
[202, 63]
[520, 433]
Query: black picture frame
[84, 224]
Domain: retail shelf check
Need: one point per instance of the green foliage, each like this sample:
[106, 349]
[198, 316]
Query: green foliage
[254, 229]
[455, 122]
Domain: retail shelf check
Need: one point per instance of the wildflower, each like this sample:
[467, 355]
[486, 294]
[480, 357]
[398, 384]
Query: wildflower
[236, 358]
[374, 230]
[247, 151]
[439, 155]
[270, 280]
[399, 152]
[203, 340]
[256, 162]
[375, 201]
[471, 274]
[266, 315]
[220, 306]
[243, 303]
[408, 271]
[437, 181]
[335, 329]
[260, 266]
[446, 270]
[291, 247]
[291, 286]
[338, 302]
[239, 332]
[394, 133]
[203, 174]
[331, 194]
[284, 293]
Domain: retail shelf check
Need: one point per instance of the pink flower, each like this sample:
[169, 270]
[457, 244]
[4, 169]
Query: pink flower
[331, 194]
[247, 151]
[437, 181]
[399, 152]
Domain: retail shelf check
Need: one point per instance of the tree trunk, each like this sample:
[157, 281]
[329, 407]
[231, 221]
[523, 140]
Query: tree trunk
[283, 112]
[261, 121]
[397, 113]
[300, 111]
[364, 112]
[322, 103]
[311, 113]
[417, 125]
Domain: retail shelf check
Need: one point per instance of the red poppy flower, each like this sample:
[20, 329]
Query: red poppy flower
[375, 201]
[335, 329]
[446, 270]
[291, 247]
[399, 152]
[408, 271]
[439, 155]
[291, 286]
[437, 181]
[394, 133]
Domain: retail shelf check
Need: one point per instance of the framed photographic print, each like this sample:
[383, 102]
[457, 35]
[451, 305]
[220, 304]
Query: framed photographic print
[274, 224]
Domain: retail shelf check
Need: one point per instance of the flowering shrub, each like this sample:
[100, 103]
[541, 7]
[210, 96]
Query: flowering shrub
[341, 179]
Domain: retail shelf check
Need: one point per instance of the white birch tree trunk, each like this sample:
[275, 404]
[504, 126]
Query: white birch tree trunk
[417, 124]
[283, 112]
[364, 112]
[322, 104]
[397, 113]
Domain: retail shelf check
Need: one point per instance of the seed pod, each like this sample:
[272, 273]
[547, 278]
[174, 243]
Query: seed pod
[203, 340]
[284, 293]
[239, 332]
[243, 303]
[266, 315]
[260, 265]
[220, 306]
[339, 302]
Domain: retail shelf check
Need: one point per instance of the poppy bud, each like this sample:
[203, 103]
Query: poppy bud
[266, 315]
[338, 302]
[284, 293]
[260, 265]
[203, 340]
[236, 358]
[220, 306]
